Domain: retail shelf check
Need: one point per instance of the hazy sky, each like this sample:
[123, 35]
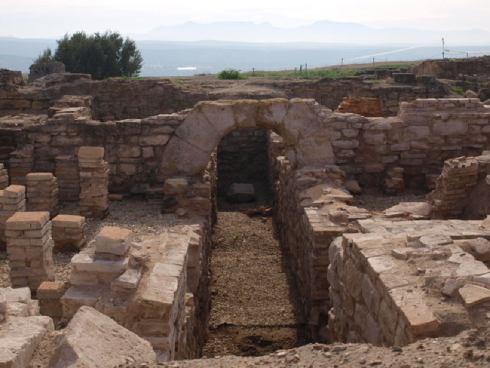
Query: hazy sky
[53, 18]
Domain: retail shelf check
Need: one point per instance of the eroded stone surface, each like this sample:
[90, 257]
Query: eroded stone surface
[92, 339]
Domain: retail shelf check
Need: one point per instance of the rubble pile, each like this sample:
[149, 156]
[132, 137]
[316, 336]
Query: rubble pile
[22, 329]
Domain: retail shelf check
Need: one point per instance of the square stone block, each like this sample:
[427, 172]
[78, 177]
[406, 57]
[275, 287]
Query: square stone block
[51, 290]
[41, 176]
[69, 221]
[15, 191]
[27, 220]
[91, 153]
[113, 240]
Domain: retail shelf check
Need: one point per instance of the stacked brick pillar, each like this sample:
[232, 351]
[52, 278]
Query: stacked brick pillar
[4, 178]
[20, 164]
[12, 200]
[68, 178]
[30, 249]
[94, 182]
[69, 232]
[450, 197]
[42, 192]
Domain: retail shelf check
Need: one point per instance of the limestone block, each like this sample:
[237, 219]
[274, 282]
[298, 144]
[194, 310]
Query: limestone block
[84, 262]
[129, 280]
[49, 294]
[90, 153]
[419, 318]
[77, 296]
[479, 248]
[113, 240]
[474, 295]
[69, 232]
[174, 186]
[92, 339]
[450, 128]
[241, 192]
[28, 220]
[412, 210]
[20, 338]
[273, 112]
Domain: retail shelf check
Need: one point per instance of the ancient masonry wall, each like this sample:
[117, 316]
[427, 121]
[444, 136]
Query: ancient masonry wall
[331, 92]
[113, 99]
[389, 281]
[122, 277]
[306, 228]
[419, 139]
[400, 281]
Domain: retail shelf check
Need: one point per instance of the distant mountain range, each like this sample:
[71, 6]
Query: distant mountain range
[194, 48]
[320, 32]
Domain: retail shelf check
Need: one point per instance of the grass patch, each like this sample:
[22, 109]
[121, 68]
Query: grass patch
[231, 74]
[334, 72]
[457, 90]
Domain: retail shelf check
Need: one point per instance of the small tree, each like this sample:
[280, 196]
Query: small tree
[44, 57]
[101, 55]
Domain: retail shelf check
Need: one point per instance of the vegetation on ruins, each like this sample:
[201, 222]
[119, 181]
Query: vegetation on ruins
[101, 55]
[231, 74]
[45, 57]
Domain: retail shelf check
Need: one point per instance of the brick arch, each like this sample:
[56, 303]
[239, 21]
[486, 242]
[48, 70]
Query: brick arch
[300, 122]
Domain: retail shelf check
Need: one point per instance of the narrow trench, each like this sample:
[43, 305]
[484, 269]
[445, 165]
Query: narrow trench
[254, 304]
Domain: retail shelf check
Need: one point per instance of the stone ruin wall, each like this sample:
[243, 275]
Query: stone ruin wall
[454, 69]
[419, 139]
[117, 98]
[312, 208]
[113, 99]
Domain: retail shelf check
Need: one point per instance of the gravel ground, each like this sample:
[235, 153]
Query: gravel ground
[253, 308]
[378, 202]
[468, 350]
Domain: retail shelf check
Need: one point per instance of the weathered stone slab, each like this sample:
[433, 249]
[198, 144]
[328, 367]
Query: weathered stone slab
[19, 337]
[473, 295]
[93, 340]
[113, 240]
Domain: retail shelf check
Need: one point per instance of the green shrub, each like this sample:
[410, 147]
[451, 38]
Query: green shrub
[230, 74]
[45, 57]
[101, 55]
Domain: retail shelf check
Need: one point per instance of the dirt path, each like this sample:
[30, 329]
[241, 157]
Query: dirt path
[253, 309]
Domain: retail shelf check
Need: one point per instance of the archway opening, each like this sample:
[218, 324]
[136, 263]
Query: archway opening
[254, 302]
[243, 170]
